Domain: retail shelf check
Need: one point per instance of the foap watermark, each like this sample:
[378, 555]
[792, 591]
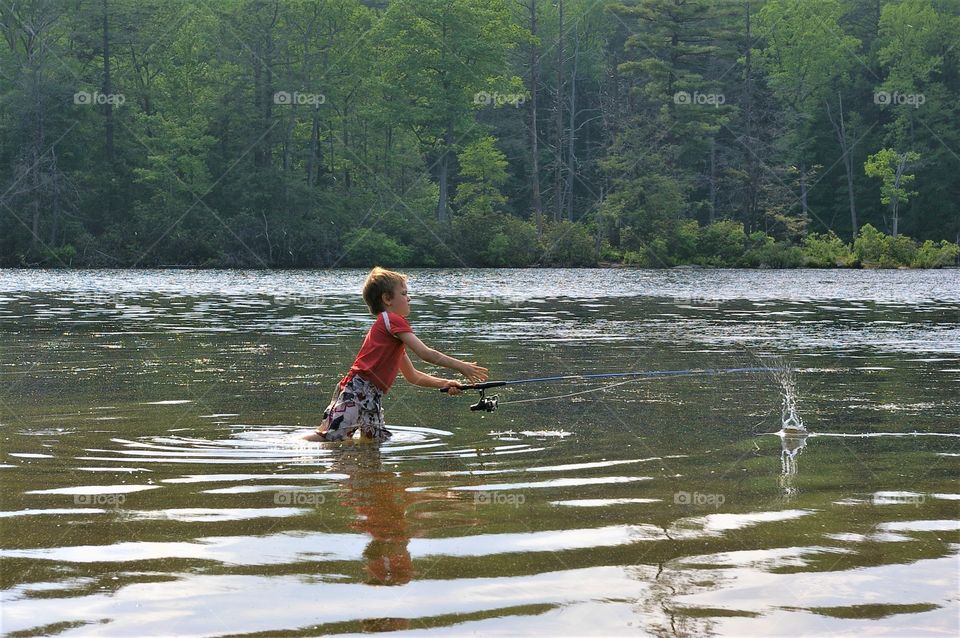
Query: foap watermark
[698, 499]
[297, 98]
[100, 500]
[292, 299]
[899, 498]
[100, 299]
[885, 98]
[293, 497]
[85, 98]
[483, 98]
[697, 301]
[499, 498]
[488, 299]
[699, 99]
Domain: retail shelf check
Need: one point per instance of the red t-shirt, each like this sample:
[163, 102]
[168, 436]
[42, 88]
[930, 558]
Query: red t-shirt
[381, 353]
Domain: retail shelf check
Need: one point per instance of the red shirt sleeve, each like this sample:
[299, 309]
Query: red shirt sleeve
[398, 324]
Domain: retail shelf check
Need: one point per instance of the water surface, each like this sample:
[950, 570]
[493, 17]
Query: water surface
[154, 484]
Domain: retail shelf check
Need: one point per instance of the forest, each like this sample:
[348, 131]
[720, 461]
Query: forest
[488, 133]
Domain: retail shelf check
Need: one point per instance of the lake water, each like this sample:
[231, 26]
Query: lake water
[153, 482]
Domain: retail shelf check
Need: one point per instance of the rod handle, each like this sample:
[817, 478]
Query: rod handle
[479, 386]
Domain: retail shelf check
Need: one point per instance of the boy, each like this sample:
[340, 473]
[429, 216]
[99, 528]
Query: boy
[356, 402]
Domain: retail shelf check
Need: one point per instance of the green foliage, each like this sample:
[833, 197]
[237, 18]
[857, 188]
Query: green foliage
[773, 255]
[518, 246]
[483, 169]
[899, 251]
[720, 244]
[568, 244]
[409, 103]
[365, 248]
[891, 167]
[805, 48]
[869, 246]
[493, 239]
[826, 250]
[874, 249]
[936, 255]
[910, 42]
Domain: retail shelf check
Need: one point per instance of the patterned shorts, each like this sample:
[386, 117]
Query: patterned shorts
[356, 406]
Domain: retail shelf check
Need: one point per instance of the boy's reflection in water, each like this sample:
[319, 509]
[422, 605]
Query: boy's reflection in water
[382, 502]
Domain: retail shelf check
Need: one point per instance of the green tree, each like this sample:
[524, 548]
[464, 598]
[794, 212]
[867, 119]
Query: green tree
[891, 167]
[657, 161]
[805, 50]
[918, 59]
[483, 170]
[442, 59]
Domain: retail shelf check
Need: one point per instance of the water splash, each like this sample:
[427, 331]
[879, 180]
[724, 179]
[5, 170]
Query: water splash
[793, 434]
[792, 444]
[789, 415]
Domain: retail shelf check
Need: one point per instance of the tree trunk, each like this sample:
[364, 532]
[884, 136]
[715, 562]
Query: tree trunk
[312, 159]
[753, 168]
[895, 199]
[534, 141]
[850, 192]
[571, 155]
[713, 179]
[840, 128]
[262, 60]
[107, 90]
[36, 153]
[442, 204]
[558, 141]
[803, 193]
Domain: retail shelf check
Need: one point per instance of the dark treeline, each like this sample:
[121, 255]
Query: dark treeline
[479, 132]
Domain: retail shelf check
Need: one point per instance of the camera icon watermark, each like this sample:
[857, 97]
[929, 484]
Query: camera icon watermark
[286, 98]
[305, 499]
[699, 99]
[96, 98]
[499, 498]
[698, 499]
[483, 98]
[885, 98]
[100, 500]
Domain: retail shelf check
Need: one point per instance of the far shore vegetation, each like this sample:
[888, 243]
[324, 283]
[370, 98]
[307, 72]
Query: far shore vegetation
[488, 133]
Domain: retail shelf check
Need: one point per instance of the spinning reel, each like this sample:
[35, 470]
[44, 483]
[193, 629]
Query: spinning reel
[485, 403]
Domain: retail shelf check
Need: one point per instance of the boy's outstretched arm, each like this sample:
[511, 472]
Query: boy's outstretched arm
[424, 380]
[469, 369]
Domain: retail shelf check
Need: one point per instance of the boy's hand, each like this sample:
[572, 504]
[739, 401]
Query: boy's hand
[473, 372]
[453, 387]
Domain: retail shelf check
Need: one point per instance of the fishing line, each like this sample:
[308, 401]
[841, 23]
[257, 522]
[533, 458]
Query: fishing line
[489, 404]
[574, 394]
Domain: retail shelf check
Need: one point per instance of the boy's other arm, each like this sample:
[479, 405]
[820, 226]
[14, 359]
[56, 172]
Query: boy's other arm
[470, 370]
[415, 377]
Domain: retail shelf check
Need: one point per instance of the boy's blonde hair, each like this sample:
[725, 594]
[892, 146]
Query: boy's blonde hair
[379, 282]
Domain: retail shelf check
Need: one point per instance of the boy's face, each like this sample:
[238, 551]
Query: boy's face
[399, 301]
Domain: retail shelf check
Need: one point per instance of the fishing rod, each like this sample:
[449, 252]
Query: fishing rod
[489, 404]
